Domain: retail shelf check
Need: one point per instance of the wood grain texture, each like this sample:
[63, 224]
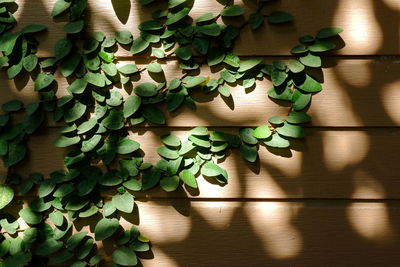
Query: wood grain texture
[371, 27]
[344, 164]
[360, 92]
[235, 233]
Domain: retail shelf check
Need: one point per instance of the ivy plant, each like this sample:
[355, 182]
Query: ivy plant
[104, 166]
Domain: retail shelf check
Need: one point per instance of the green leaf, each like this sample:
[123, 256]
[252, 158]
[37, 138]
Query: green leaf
[205, 18]
[62, 48]
[110, 69]
[188, 178]
[311, 60]
[169, 183]
[215, 56]
[30, 62]
[322, 46]
[171, 140]
[87, 126]
[297, 117]
[175, 17]
[139, 45]
[131, 105]
[150, 178]
[175, 3]
[199, 130]
[307, 84]
[74, 113]
[43, 80]
[246, 134]
[33, 28]
[295, 66]
[231, 11]
[276, 141]
[12, 105]
[30, 216]
[232, 60]
[123, 37]
[306, 39]
[249, 153]
[16, 153]
[127, 146]
[200, 141]
[8, 41]
[107, 56]
[49, 246]
[91, 143]
[227, 76]
[105, 228]
[193, 81]
[83, 251]
[328, 32]
[150, 25]
[249, 64]
[211, 29]
[64, 141]
[123, 202]
[128, 69]
[256, 20]
[224, 90]
[153, 114]
[167, 153]
[290, 130]
[154, 67]
[187, 146]
[57, 218]
[211, 169]
[279, 17]
[299, 49]
[262, 132]
[124, 256]
[63, 190]
[59, 7]
[183, 52]
[277, 120]
[300, 100]
[74, 26]
[114, 120]
[278, 77]
[6, 195]
[133, 185]
[146, 89]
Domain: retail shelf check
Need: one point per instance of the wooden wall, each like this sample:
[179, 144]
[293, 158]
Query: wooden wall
[332, 201]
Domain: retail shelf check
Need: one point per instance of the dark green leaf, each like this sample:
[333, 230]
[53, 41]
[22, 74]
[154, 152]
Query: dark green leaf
[124, 256]
[328, 32]
[231, 11]
[290, 130]
[279, 17]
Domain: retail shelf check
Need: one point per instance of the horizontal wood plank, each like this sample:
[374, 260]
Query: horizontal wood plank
[368, 25]
[356, 93]
[220, 233]
[344, 164]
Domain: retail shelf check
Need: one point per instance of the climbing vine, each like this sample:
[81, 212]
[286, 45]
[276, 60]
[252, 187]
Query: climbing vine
[104, 166]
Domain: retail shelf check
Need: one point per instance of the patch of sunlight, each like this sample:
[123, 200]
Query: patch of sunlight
[217, 214]
[163, 222]
[272, 222]
[344, 148]
[362, 31]
[371, 221]
[161, 259]
[394, 4]
[390, 100]
[367, 186]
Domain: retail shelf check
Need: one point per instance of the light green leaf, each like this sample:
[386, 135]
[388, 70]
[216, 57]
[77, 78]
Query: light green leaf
[297, 117]
[188, 178]
[6, 195]
[290, 130]
[91, 143]
[167, 153]
[211, 169]
[169, 183]
[123, 37]
[128, 69]
[59, 7]
[123, 202]
[127, 146]
[64, 141]
[262, 132]
[57, 218]
[154, 67]
[307, 84]
[249, 64]
[131, 105]
[171, 140]
[311, 60]
[30, 216]
[193, 81]
[276, 141]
